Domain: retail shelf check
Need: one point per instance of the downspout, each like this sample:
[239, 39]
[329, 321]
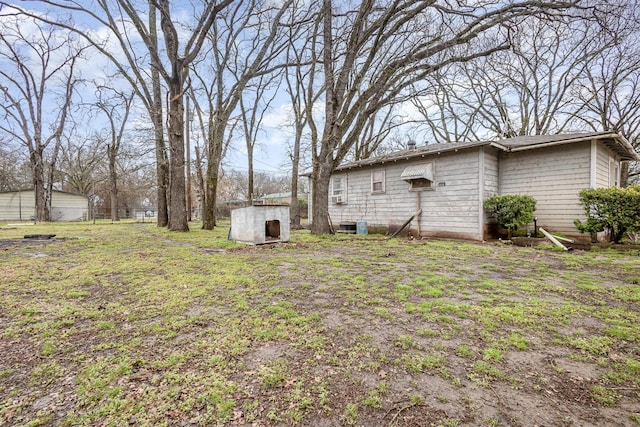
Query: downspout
[419, 209]
[594, 163]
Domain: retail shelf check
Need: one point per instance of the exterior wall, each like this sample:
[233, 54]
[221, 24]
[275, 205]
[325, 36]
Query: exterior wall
[17, 206]
[607, 168]
[491, 179]
[20, 206]
[491, 173]
[553, 176]
[248, 224]
[450, 208]
[69, 207]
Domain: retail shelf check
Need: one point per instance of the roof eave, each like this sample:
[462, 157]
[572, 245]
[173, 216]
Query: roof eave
[626, 151]
[412, 154]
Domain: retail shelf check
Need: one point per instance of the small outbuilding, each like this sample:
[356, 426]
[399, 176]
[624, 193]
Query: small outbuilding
[21, 206]
[260, 224]
[443, 186]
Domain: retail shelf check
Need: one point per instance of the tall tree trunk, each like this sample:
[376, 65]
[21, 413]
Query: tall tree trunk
[41, 213]
[162, 167]
[250, 186]
[178, 205]
[321, 224]
[294, 209]
[113, 190]
[209, 216]
[214, 158]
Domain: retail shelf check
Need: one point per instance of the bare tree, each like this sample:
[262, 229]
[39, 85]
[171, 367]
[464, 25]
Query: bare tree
[300, 83]
[125, 20]
[451, 108]
[529, 89]
[254, 104]
[116, 107]
[244, 45]
[132, 63]
[373, 52]
[14, 169]
[610, 87]
[39, 79]
[80, 161]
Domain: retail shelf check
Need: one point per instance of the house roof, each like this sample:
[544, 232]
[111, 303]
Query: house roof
[614, 141]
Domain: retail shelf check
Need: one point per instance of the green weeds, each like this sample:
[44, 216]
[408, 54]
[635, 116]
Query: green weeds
[143, 326]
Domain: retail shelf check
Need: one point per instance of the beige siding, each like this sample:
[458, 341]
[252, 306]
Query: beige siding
[16, 206]
[491, 173]
[450, 207]
[553, 176]
[69, 207]
[602, 166]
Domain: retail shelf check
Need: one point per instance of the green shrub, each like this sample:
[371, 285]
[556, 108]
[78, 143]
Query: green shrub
[614, 210]
[510, 210]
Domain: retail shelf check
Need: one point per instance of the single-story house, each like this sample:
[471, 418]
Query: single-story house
[21, 206]
[448, 183]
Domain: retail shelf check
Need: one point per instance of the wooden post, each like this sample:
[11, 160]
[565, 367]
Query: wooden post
[553, 239]
[419, 212]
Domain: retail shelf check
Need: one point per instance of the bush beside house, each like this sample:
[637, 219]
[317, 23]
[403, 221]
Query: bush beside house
[613, 210]
[511, 210]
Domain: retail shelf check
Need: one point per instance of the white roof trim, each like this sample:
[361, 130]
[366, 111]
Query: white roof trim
[421, 171]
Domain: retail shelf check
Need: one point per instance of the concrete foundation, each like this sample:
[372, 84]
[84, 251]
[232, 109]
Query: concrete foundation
[258, 225]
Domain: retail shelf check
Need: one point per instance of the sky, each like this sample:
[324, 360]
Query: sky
[271, 151]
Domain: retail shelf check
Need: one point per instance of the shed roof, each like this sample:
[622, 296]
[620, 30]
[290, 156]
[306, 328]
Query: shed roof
[27, 190]
[614, 141]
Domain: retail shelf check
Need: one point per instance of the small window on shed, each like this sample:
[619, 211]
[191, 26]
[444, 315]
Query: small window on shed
[377, 182]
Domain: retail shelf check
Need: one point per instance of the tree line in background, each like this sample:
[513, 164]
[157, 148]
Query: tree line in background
[358, 78]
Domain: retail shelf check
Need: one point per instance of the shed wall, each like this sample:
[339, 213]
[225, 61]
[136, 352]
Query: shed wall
[17, 206]
[20, 206]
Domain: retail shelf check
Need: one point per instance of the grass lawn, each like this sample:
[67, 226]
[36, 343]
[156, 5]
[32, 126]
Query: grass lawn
[127, 324]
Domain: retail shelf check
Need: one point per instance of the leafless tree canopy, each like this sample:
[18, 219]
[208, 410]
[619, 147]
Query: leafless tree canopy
[358, 77]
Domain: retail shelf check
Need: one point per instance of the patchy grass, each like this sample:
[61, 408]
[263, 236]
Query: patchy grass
[128, 324]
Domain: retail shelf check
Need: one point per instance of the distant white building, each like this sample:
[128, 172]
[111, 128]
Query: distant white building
[21, 206]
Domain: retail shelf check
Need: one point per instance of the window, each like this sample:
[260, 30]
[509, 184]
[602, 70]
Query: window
[377, 182]
[420, 183]
[613, 174]
[338, 190]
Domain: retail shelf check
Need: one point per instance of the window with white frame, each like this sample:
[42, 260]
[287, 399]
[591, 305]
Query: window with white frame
[377, 182]
[614, 174]
[338, 190]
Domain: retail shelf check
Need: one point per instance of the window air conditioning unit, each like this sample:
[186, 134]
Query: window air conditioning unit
[336, 200]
